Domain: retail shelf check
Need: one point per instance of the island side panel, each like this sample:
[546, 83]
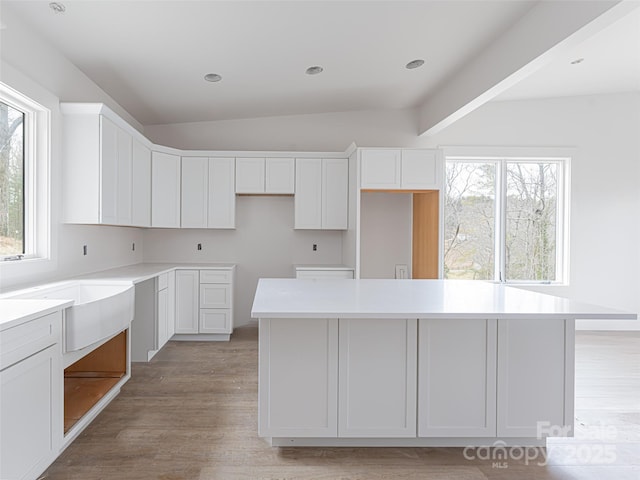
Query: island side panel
[298, 377]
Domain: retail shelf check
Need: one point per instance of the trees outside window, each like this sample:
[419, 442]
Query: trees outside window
[504, 219]
[11, 181]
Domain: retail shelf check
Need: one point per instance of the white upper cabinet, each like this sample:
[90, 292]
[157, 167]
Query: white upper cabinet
[195, 190]
[165, 190]
[420, 170]
[401, 169]
[335, 193]
[380, 169]
[321, 194]
[265, 175]
[249, 175]
[221, 209]
[97, 169]
[280, 175]
[208, 196]
[141, 185]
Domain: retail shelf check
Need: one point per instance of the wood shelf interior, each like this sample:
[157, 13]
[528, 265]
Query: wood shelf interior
[91, 378]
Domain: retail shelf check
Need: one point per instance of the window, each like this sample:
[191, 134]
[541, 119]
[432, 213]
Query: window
[24, 160]
[11, 181]
[505, 218]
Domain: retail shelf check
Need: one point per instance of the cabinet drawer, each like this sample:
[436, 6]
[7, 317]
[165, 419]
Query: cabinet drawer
[214, 295]
[28, 338]
[215, 320]
[215, 276]
[163, 280]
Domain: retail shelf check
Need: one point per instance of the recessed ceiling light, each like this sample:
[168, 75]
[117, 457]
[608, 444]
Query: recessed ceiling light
[414, 64]
[315, 70]
[57, 7]
[212, 77]
[577, 61]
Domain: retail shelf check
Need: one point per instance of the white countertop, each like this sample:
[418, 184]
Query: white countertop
[140, 272]
[16, 311]
[335, 298]
[323, 267]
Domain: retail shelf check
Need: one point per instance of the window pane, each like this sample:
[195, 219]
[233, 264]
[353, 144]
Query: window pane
[11, 180]
[470, 204]
[531, 221]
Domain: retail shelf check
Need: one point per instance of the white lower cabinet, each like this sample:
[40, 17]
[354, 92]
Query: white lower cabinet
[533, 395]
[187, 308]
[204, 302]
[300, 360]
[31, 408]
[459, 400]
[377, 378]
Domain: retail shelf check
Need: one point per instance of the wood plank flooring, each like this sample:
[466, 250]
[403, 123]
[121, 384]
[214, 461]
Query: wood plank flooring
[191, 414]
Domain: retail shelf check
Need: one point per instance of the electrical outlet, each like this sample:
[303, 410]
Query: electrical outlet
[84, 250]
[133, 247]
[402, 271]
[199, 246]
[315, 247]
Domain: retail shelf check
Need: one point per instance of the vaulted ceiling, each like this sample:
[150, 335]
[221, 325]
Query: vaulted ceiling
[151, 56]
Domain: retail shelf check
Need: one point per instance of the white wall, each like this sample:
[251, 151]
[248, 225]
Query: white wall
[385, 232]
[263, 244]
[605, 197]
[48, 78]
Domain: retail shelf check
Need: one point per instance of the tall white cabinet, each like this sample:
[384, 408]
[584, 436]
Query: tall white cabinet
[207, 192]
[165, 190]
[97, 168]
[322, 190]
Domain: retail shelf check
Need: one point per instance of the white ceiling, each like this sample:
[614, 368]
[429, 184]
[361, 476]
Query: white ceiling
[611, 65]
[151, 56]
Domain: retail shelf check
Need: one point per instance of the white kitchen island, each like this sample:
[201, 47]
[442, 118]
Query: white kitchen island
[415, 362]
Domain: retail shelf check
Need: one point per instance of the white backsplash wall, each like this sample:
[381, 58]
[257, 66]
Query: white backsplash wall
[385, 233]
[264, 244]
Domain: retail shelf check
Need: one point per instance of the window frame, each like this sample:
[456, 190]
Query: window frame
[36, 153]
[501, 157]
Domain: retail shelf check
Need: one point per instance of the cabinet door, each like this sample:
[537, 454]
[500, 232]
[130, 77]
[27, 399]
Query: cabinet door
[124, 185]
[165, 190]
[30, 404]
[457, 378]
[420, 170]
[108, 171]
[195, 192]
[280, 175]
[141, 185]
[249, 175]
[308, 197]
[222, 196]
[163, 318]
[531, 377]
[335, 195]
[380, 169]
[187, 308]
[377, 378]
[298, 368]
[215, 320]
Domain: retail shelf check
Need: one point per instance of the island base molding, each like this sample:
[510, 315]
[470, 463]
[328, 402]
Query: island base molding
[407, 442]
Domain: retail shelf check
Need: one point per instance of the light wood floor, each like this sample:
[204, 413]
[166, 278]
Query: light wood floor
[191, 414]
